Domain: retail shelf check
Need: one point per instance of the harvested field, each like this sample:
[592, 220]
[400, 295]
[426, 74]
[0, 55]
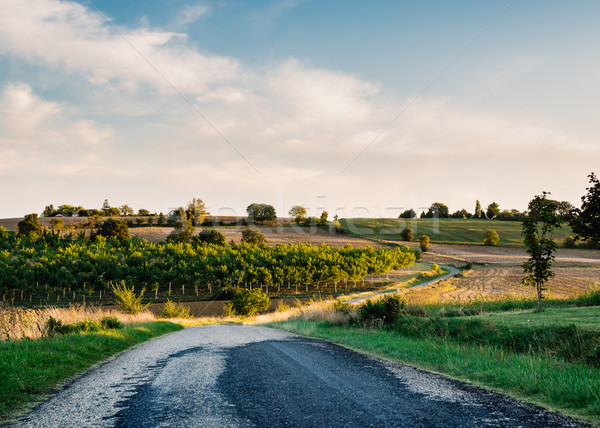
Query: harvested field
[495, 282]
[274, 235]
[459, 254]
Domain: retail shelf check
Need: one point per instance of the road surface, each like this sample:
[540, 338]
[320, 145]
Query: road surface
[239, 376]
[451, 272]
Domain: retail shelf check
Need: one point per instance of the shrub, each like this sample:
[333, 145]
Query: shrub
[127, 300]
[569, 242]
[424, 243]
[253, 237]
[249, 302]
[342, 307]
[111, 323]
[29, 226]
[386, 310]
[407, 234]
[56, 327]
[491, 238]
[436, 268]
[112, 228]
[174, 310]
[211, 236]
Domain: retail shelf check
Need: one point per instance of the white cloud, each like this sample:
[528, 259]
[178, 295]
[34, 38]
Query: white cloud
[190, 15]
[68, 36]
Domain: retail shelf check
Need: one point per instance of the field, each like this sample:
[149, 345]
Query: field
[445, 230]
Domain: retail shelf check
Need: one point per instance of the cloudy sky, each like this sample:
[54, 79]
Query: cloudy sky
[361, 108]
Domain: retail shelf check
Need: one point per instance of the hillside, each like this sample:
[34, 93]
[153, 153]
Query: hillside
[447, 230]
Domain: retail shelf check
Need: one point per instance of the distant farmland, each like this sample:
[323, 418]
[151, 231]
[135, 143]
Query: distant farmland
[446, 230]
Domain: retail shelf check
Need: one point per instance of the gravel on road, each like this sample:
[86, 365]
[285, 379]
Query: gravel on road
[241, 376]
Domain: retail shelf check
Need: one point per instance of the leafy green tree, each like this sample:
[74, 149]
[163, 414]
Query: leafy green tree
[183, 231]
[196, 208]
[161, 219]
[126, 299]
[460, 214]
[112, 228]
[410, 213]
[143, 212]
[437, 210]
[48, 211]
[491, 238]
[538, 227]
[298, 213]
[407, 234]
[477, 209]
[253, 237]
[492, 210]
[585, 221]
[68, 210]
[30, 226]
[424, 243]
[323, 219]
[261, 213]
[126, 210]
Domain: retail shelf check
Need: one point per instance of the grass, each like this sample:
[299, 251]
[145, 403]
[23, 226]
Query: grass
[446, 230]
[29, 369]
[584, 318]
[568, 387]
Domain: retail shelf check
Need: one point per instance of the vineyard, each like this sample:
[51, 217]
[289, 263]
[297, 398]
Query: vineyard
[53, 269]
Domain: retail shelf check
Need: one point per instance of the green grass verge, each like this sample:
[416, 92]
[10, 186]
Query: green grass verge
[583, 318]
[445, 230]
[31, 368]
[571, 388]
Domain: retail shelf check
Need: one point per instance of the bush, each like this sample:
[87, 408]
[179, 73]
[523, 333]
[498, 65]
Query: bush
[253, 237]
[111, 323]
[386, 310]
[424, 243]
[127, 300]
[249, 302]
[112, 228]
[436, 268]
[491, 238]
[56, 327]
[342, 307]
[569, 242]
[407, 234]
[174, 310]
[211, 236]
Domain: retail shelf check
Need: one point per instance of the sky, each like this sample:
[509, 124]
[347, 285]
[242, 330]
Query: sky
[363, 109]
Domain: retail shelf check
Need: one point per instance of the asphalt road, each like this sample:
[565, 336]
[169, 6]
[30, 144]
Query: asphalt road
[236, 376]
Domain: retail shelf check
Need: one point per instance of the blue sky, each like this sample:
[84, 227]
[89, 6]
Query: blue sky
[151, 103]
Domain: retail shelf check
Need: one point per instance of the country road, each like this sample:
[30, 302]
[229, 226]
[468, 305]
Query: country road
[240, 376]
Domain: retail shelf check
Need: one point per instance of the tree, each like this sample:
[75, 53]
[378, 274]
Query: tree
[161, 219]
[407, 234]
[460, 214]
[323, 218]
[112, 228]
[492, 210]
[261, 213]
[143, 212]
[253, 237]
[491, 238]
[298, 213]
[30, 226]
[196, 208]
[538, 227]
[126, 210]
[410, 213]
[437, 210]
[477, 209]
[585, 221]
[424, 243]
[183, 231]
[106, 207]
[48, 211]
[249, 302]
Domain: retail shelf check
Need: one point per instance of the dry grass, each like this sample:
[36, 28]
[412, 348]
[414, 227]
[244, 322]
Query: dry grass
[497, 282]
[16, 324]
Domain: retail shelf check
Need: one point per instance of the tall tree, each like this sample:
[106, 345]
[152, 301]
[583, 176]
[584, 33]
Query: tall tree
[477, 209]
[438, 210]
[585, 221]
[126, 210]
[196, 208]
[538, 227]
